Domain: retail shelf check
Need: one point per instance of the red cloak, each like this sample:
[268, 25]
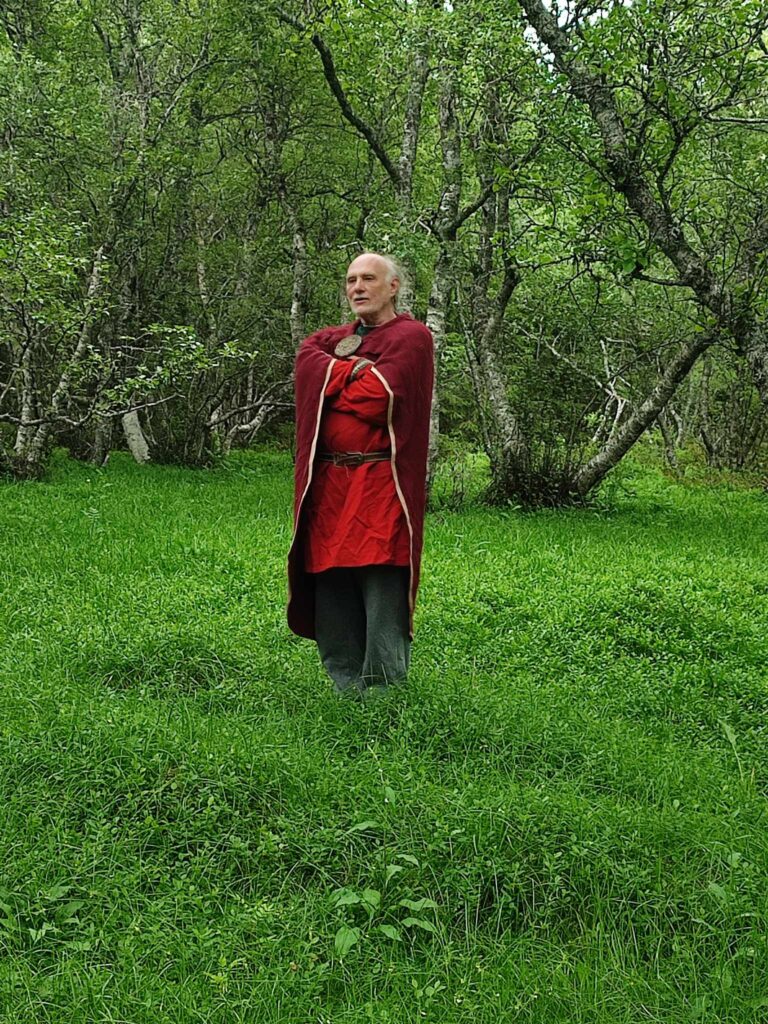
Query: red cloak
[403, 356]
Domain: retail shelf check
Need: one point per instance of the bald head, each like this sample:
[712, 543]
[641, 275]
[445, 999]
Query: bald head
[372, 284]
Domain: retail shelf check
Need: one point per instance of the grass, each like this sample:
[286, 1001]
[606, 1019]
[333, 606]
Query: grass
[562, 819]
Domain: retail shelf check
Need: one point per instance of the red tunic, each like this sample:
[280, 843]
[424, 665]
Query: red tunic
[354, 514]
[402, 351]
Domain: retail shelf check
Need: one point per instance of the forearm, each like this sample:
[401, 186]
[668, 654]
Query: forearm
[363, 395]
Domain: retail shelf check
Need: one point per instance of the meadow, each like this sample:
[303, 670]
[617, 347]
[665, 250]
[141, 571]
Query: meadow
[561, 818]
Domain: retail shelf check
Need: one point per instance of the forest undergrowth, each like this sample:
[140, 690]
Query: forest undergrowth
[562, 818]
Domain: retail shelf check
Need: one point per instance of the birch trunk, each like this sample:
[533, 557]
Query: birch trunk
[703, 411]
[508, 444]
[756, 355]
[509, 441]
[300, 269]
[439, 296]
[445, 230]
[32, 455]
[412, 125]
[251, 428]
[202, 285]
[134, 438]
[508, 448]
[669, 442]
[642, 416]
[102, 441]
[25, 432]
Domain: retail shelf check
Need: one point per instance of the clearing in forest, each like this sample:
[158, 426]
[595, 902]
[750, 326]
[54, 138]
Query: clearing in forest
[561, 819]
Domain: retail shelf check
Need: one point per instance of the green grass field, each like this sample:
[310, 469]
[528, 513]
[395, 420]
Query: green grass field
[562, 819]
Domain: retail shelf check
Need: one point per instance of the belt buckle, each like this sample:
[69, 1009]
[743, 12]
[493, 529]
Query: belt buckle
[352, 459]
[348, 458]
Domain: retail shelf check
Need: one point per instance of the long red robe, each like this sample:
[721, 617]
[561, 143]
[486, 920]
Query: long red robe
[403, 356]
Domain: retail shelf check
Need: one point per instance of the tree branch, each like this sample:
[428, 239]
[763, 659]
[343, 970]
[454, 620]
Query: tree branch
[624, 169]
[329, 70]
[216, 421]
[643, 416]
[489, 189]
[67, 421]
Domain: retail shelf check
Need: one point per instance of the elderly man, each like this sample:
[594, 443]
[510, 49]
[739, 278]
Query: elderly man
[363, 395]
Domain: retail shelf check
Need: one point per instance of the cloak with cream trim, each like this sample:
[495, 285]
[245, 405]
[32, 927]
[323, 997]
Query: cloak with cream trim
[403, 356]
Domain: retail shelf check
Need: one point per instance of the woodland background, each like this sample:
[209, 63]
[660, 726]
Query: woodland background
[578, 192]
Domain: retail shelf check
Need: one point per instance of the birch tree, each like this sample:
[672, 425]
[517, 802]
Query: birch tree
[659, 85]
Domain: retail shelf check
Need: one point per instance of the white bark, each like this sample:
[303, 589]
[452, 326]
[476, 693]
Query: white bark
[436, 312]
[643, 415]
[669, 442]
[252, 427]
[300, 268]
[33, 452]
[102, 441]
[509, 437]
[445, 230]
[202, 284]
[412, 124]
[134, 437]
[24, 432]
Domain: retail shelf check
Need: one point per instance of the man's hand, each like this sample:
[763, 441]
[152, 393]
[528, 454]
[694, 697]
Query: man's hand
[359, 366]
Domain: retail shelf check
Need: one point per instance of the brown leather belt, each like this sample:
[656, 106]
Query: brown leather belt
[353, 458]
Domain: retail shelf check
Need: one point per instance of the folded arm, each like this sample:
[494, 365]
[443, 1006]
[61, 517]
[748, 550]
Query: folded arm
[363, 395]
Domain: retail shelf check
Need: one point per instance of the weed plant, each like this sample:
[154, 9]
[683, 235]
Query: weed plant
[561, 818]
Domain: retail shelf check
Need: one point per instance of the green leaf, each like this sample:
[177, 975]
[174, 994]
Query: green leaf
[730, 735]
[417, 905]
[372, 897]
[389, 795]
[419, 922]
[408, 858]
[699, 1006]
[67, 912]
[390, 931]
[392, 870]
[345, 939]
[718, 891]
[57, 892]
[346, 898]
[364, 826]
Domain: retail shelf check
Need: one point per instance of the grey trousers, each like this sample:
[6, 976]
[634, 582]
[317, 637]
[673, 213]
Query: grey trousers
[361, 626]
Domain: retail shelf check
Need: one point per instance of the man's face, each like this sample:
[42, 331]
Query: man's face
[369, 293]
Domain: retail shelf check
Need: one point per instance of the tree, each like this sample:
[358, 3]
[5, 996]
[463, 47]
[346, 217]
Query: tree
[661, 82]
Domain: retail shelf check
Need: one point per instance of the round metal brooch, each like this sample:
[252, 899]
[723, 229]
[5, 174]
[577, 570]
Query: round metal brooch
[348, 346]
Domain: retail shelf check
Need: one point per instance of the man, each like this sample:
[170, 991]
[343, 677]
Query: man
[363, 396]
